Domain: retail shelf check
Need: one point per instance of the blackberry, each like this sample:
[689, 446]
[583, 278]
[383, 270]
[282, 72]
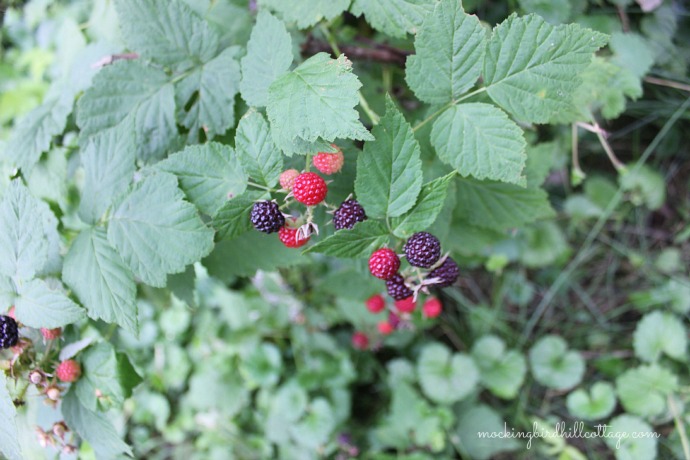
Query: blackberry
[9, 332]
[447, 272]
[422, 250]
[348, 214]
[266, 217]
[396, 288]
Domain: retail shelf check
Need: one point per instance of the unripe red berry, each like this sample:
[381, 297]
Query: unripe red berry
[289, 237]
[385, 328]
[329, 163]
[384, 263]
[287, 178]
[68, 371]
[406, 305]
[376, 303]
[432, 307]
[360, 341]
[51, 334]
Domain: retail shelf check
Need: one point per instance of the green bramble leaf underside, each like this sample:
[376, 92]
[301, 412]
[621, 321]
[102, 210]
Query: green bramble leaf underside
[166, 31]
[532, 68]
[269, 55]
[209, 174]
[316, 100]
[156, 232]
[660, 333]
[9, 436]
[360, 241]
[101, 280]
[449, 54]
[425, 211]
[233, 218]
[480, 140]
[260, 158]
[396, 18]
[306, 13]
[38, 305]
[389, 170]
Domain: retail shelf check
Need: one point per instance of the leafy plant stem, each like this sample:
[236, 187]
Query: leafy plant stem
[680, 427]
[620, 167]
[577, 170]
[667, 83]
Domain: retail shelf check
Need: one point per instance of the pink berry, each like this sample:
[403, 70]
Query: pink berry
[329, 163]
[385, 328]
[360, 341]
[376, 303]
[68, 371]
[432, 307]
[406, 305]
[51, 334]
[287, 178]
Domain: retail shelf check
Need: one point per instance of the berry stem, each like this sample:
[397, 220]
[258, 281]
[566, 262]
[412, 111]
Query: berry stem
[262, 187]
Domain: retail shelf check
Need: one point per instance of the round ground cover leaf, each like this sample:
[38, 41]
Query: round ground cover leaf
[480, 140]
[596, 404]
[659, 333]
[480, 419]
[643, 390]
[446, 378]
[553, 365]
[262, 366]
[501, 371]
[631, 438]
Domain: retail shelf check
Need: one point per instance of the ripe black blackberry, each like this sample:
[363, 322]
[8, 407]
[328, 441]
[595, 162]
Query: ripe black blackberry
[266, 217]
[348, 214]
[422, 250]
[396, 288]
[9, 332]
[447, 273]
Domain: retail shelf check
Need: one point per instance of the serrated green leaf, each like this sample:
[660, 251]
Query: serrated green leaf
[132, 89]
[211, 90]
[501, 371]
[532, 68]
[98, 276]
[306, 13]
[166, 31]
[269, 55]
[261, 366]
[38, 305]
[360, 241]
[233, 218]
[445, 378]
[156, 232]
[316, 100]
[553, 365]
[640, 446]
[596, 404]
[480, 140]
[394, 17]
[315, 429]
[429, 204]
[553, 11]
[209, 174]
[658, 333]
[500, 206]
[449, 54]
[389, 170]
[108, 159]
[539, 162]
[94, 427]
[260, 158]
[9, 444]
[643, 390]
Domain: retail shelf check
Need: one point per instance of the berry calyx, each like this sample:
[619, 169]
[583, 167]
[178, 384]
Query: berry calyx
[329, 163]
[266, 217]
[432, 308]
[406, 305]
[309, 188]
[376, 303]
[385, 328]
[397, 289]
[360, 341]
[446, 274]
[68, 371]
[287, 178]
[384, 263]
[422, 250]
[290, 237]
[9, 332]
[51, 334]
[348, 214]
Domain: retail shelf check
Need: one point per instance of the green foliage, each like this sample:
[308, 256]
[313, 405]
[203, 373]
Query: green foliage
[553, 365]
[596, 404]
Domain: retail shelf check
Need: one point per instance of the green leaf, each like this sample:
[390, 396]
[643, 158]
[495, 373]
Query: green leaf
[28, 226]
[631, 52]
[450, 51]
[260, 158]
[596, 404]
[480, 140]
[425, 211]
[542, 244]
[108, 159]
[261, 366]
[499, 206]
[209, 174]
[316, 100]
[98, 276]
[645, 186]
[38, 305]
[675, 292]
[389, 170]
[632, 438]
[94, 427]
[307, 13]
[501, 371]
[532, 68]
[394, 17]
[553, 365]
[166, 31]
[315, 429]
[539, 162]
[211, 91]
[156, 232]
[269, 55]
[9, 436]
[360, 241]
[483, 419]
[554, 11]
[658, 333]
[233, 218]
[134, 90]
[445, 378]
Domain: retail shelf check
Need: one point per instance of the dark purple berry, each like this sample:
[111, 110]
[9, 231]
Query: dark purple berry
[422, 250]
[447, 273]
[348, 214]
[266, 217]
[9, 332]
[396, 288]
